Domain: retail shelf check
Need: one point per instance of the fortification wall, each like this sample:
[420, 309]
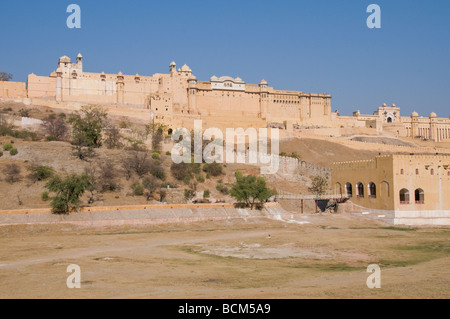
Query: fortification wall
[12, 89]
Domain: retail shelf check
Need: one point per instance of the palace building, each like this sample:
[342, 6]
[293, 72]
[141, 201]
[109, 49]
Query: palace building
[413, 188]
[179, 93]
[177, 98]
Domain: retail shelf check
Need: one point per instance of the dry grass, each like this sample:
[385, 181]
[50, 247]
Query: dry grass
[325, 259]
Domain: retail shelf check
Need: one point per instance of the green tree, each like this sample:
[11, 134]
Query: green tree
[68, 191]
[319, 185]
[250, 190]
[87, 126]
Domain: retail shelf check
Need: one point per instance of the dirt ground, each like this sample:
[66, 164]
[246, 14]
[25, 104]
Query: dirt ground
[261, 258]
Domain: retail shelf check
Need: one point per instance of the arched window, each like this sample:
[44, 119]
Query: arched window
[419, 196]
[432, 171]
[402, 171]
[360, 190]
[349, 190]
[372, 190]
[404, 196]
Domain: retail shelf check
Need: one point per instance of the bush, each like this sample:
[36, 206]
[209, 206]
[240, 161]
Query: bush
[68, 192]
[200, 178]
[168, 153]
[155, 155]
[222, 189]
[189, 194]
[51, 138]
[7, 146]
[181, 171]
[158, 172]
[12, 173]
[13, 151]
[213, 169]
[1, 153]
[187, 179]
[138, 189]
[41, 173]
[45, 196]
[206, 194]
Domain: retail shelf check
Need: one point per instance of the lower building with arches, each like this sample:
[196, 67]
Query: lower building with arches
[410, 187]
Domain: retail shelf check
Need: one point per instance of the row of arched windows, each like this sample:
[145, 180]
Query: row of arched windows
[371, 190]
[419, 196]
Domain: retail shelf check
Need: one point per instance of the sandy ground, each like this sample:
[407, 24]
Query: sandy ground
[326, 258]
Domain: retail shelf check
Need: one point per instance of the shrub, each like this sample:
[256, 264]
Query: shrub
[41, 173]
[138, 189]
[1, 153]
[206, 194]
[158, 172]
[12, 173]
[187, 179]
[7, 146]
[213, 169]
[55, 127]
[222, 189]
[13, 151]
[68, 192]
[181, 171]
[45, 196]
[168, 153]
[155, 155]
[200, 178]
[189, 194]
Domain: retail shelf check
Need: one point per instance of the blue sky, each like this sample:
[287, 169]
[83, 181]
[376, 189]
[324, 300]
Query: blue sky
[312, 46]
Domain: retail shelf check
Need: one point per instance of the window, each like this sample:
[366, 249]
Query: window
[349, 190]
[360, 190]
[372, 190]
[419, 196]
[417, 171]
[402, 171]
[404, 196]
[432, 171]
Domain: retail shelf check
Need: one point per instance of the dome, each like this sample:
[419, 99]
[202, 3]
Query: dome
[120, 73]
[214, 78]
[263, 82]
[173, 64]
[64, 59]
[79, 56]
[414, 114]
[192, 78]
[58, 70]
[433, 115]
[185, 68]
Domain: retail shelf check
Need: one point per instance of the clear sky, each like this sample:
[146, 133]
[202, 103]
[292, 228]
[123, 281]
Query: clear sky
[312, 46]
